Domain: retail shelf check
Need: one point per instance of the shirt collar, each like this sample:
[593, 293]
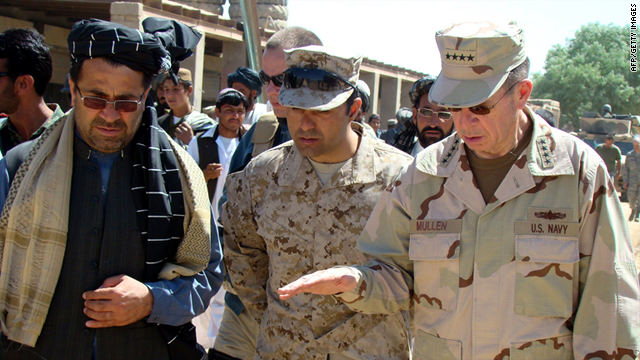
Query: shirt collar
[359, 169]
[546, 154]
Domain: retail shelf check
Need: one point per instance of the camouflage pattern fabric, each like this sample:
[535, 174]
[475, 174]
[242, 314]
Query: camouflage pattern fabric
[280, 223]
[631, 175]
[339, 63]
[545, 270]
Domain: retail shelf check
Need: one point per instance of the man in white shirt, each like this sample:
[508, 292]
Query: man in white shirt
[247, 81]
[212, 151]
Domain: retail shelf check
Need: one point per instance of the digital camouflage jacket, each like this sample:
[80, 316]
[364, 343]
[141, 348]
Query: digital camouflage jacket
[545, 270]
[280, 223]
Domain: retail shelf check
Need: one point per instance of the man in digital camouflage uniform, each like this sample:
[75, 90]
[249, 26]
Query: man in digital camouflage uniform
[631, 177]
[300, 207]
[508, 237]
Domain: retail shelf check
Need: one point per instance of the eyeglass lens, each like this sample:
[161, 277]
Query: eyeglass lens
[484, 110]
[429, 113]
[277, 80]
[118, 105]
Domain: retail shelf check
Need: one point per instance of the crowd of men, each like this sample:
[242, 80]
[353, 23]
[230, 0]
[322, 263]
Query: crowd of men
[471, 228]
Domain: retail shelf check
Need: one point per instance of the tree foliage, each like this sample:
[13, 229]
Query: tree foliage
[589, 71]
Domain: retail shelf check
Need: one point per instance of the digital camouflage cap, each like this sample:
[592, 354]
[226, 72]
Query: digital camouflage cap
[344, 65]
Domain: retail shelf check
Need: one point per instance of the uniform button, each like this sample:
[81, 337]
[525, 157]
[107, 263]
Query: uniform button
[94, 265]
[94, 199]
[95, 232]
[86, 331]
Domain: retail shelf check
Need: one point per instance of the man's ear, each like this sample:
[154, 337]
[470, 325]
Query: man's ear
[414, 115]
[353, 110]
[190, 90]
[523, 92]
[72, 91]
[23, 84]
[254, 94]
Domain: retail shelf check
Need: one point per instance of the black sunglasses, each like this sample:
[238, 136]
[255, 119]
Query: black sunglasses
[6, 73]
[481, 109]
[426, 112]
[97, 103]
[277, 80]
[315, 79]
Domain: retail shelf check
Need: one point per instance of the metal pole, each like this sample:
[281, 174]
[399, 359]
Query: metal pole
[252, 35]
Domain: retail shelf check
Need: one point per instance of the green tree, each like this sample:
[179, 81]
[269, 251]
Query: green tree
[589, 71]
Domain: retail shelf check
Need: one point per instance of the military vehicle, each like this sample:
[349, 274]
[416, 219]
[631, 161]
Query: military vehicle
[546, 104]
[594, 128]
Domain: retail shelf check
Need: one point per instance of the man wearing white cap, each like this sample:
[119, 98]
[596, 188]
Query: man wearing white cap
[300, 207]
[506, 237]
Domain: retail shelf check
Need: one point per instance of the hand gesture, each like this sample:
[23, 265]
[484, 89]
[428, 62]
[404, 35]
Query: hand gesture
[184, 132]
[323, 282]
[120, 300]
[212, 171]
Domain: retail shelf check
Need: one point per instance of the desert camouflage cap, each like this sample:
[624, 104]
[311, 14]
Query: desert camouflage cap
[476, 60]
[344, 65]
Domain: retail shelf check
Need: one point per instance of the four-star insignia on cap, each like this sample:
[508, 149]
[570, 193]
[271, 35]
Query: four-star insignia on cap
[459, 57]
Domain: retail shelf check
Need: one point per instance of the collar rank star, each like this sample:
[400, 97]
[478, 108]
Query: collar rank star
[544, 149]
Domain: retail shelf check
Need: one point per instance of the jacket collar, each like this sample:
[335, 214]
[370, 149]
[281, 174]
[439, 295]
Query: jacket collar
[546, 155]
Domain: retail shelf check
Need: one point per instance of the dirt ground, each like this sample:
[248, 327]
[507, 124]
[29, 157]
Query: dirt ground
[634, 229]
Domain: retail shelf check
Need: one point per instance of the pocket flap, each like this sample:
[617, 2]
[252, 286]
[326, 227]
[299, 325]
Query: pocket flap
[428, 347]
[547, 249]
[434, 246]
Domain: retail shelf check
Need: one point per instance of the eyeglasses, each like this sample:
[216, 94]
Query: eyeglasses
[6, 73]
[426, 112]
[277, 80]
[97, 103]
[481, 109]
[315, 79]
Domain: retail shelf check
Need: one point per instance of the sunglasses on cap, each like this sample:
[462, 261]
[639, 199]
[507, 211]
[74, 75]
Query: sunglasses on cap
[97, 103]
[481, 109]
[277, 80]
[426, 112]
[314, 79]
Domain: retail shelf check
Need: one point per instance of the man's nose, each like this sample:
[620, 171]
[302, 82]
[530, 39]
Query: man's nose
[464, 118]
[109, 113]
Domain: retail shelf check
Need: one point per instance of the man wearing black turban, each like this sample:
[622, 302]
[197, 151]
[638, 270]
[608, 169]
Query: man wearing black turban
[111, 216]
[248, 82]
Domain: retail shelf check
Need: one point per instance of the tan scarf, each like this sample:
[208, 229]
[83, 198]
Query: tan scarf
[34, 224]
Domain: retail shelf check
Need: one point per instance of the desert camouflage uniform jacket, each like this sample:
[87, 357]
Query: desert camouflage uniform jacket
[544, 271]
[280, 223]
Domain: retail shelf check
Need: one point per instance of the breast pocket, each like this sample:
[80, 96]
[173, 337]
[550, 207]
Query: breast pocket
[545, 273]
[437, 267]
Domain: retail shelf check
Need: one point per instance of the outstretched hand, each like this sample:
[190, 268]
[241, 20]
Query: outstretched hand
[323, 282]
